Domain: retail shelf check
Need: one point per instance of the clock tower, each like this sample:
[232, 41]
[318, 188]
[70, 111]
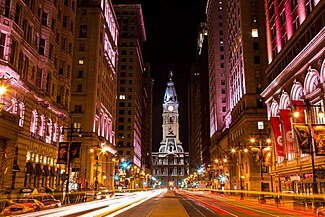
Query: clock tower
[170, 163]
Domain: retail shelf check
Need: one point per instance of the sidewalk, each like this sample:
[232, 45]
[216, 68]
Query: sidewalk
[169, 205]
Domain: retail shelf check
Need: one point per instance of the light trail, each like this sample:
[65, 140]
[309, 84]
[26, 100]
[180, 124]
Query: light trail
[101, 206]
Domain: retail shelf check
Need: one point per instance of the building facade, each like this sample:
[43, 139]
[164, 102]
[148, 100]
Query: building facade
[148, 83]
[237, 60]
[134, 93]
[93, 94]
[170, 165]
[36, 65]
[199, 125]
[295, 74]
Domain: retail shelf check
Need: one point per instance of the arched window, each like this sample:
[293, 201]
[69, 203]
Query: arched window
[33, 123]
[21, 114]
[41, 127]
[49, 131]
[55, 132]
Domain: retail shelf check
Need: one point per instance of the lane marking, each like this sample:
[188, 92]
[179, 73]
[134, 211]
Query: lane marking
[194, 207]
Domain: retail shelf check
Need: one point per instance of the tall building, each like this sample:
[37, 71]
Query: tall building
[148, 83]
[170, 165]
[93, 95]
[237, 60]
[37, 39]
[199, 125]
[296, 68]
[131, 98]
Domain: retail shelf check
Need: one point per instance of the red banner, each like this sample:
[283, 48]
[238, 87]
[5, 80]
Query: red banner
[319, 138]
[298, 107]
[275, 122]
[287, 130]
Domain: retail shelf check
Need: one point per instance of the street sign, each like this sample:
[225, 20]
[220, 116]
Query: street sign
[97, 165]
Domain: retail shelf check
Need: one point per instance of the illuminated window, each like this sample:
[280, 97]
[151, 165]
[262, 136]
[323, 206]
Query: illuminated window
[122, 96]
[28, 156]
[81, 62]
[37, 158]
[44, 160]
[254, 33]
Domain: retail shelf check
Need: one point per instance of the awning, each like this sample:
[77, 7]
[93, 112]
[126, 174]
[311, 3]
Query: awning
[53, 171]
[30, 169]
[38, 169]
[46, 171]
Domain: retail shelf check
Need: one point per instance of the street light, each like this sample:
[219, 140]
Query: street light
[260, 126]
[310, 138]
[234, 150]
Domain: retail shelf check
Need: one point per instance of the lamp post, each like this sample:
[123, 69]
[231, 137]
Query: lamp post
[71, 129]
[240, 167]
[260, 127]
[99, 163]
[310, 138]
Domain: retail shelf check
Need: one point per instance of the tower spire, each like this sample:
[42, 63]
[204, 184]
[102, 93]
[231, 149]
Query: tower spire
[170, 75]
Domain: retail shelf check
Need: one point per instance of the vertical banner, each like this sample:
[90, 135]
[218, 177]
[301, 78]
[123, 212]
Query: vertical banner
[298, 106]
[275, 122]
[63, 153]
[303, 134]
[319, 139]
[287, 130]
[75, 150]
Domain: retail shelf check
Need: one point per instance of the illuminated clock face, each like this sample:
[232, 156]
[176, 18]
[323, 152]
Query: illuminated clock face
[170, 108]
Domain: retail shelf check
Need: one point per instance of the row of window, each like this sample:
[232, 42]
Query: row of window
[40, 159]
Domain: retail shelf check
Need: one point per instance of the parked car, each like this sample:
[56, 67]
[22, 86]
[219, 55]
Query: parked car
[21, 206]
[48, 200]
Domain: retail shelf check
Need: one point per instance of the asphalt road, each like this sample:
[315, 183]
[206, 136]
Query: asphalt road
[208, 205]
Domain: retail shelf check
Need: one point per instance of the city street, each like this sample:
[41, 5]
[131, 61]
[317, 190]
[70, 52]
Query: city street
[165, 203]
[205, 204]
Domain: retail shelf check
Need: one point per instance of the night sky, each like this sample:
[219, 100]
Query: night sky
[171, 28]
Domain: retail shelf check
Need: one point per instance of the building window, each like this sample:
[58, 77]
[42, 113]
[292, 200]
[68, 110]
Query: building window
[65, 21]
[78, 108]
[2, 44]
[254, 33]
[44, 18]
[122, 97]
[259, 103]
[80, 74]
[257, 73]
[282, 18]
[257, 60]
[41, 49]
[254, 19]
[293, 4]
[79, 88]
[83, 31]
[81, 62]
[256, 46]
[17, 14]
[309, 6]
